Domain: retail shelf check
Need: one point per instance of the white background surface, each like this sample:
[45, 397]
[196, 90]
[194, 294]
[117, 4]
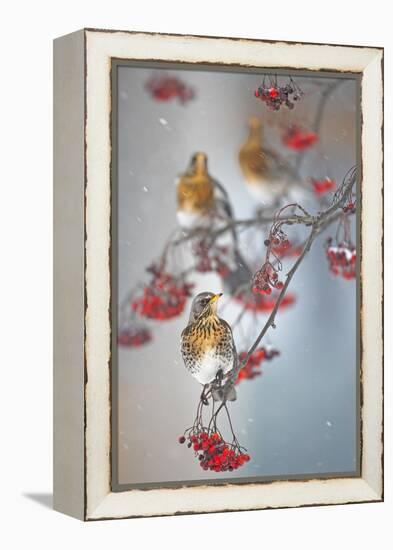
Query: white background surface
[26, 235]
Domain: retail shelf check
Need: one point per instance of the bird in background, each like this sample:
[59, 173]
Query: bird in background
[267, 177]
[207, 345]
[195, 193]
[200, 198]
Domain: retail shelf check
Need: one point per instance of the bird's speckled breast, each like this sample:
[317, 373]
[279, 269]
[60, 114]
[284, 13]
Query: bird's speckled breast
[206, 348]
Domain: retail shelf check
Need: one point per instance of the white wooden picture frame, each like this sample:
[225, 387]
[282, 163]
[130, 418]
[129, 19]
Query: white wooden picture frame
[82, 334]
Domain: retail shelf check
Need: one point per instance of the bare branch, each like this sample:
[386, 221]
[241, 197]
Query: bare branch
[325, 94]
[318, 223]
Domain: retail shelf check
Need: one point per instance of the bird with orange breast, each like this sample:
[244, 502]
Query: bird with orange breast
[267, 176]
[203, 201]
[195, 193]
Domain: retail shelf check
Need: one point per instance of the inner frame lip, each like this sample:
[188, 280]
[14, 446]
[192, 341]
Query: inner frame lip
[207, 66]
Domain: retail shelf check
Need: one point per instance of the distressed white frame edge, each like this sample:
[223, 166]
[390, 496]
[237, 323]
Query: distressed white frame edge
[101, 46]
[69, 283]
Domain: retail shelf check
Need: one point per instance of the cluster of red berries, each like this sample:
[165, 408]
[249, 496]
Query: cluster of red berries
[134, 336]
[164, 298]
[258, 303]
[210, 258]
[278, 240]
[213, 452]
[298, 139]
[282, 250]
[265, 279]
[342, 259]
[323, 186]
[165, 88]
[350, 207]
[275, 96]
[252, 368]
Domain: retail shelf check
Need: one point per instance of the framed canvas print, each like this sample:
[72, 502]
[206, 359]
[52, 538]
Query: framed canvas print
[218, 274]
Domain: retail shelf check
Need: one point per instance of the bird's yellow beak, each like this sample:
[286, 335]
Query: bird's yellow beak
[215, 298]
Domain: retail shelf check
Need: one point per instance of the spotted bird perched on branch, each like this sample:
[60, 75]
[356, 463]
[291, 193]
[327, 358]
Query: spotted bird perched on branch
[207, 346]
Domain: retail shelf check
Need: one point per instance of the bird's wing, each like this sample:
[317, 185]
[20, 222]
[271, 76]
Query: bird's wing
[252, 160]
[233, 346]
[185, 345]
[183, 336]
[278, 167]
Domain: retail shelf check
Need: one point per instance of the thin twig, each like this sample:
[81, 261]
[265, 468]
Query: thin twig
[318, 115]
[290, 274]
[260, 220]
